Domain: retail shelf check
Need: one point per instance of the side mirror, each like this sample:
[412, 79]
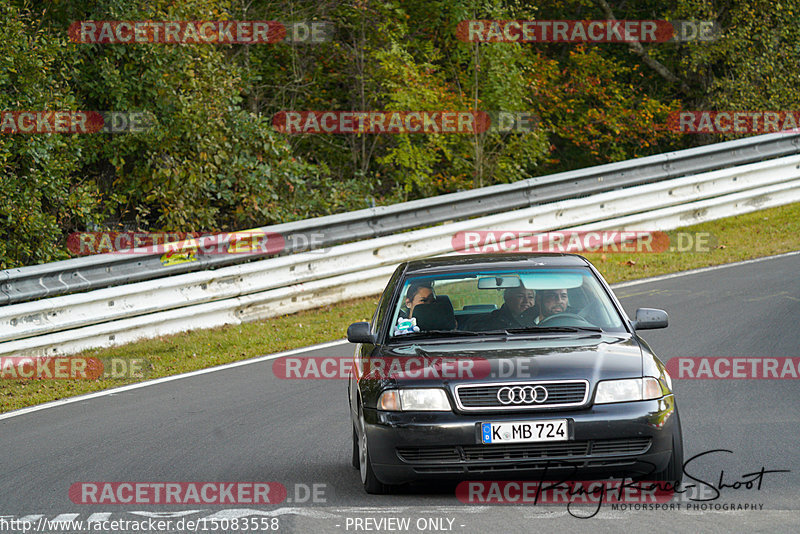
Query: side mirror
[360, 333]
[650, 318]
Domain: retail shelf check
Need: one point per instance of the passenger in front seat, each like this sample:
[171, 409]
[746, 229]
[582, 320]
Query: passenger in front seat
[516, 300]
[421, 293]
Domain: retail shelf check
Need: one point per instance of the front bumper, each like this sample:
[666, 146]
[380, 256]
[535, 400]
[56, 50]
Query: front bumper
[621, 440]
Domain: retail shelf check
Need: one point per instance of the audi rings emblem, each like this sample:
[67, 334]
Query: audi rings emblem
[521, 395]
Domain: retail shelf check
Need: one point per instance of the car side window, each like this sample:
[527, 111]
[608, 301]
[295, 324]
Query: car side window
[385, 300]
[595, 311]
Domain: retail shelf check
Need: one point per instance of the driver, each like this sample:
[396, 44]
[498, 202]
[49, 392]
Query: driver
[551, 302]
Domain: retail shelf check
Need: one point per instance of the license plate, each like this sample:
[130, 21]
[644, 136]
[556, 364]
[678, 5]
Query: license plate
[524, 431]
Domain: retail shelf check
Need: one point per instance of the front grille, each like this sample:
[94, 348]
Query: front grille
[559, 394]
[428, 454]
[596, 452]
[620, 446]
[528, 465]
[523, 451]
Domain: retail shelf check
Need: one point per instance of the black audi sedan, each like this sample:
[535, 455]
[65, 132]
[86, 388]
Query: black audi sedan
[497, 366]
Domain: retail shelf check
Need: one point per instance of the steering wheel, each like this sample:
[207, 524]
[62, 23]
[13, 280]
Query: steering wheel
[570, 320]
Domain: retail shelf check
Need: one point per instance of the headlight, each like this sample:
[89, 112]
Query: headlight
[631, 389]
[413, 400]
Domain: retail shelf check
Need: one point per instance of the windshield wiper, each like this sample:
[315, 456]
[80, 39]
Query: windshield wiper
[436, 333]
[432, 334]
[534, 329]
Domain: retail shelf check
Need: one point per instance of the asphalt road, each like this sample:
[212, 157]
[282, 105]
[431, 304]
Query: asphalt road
[245, 424]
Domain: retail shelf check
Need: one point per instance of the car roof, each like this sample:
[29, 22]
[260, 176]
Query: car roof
[471, 262]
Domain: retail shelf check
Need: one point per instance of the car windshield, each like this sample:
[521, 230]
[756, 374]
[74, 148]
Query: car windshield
[545, 300]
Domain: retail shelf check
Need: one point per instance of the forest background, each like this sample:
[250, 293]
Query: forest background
[214, 161]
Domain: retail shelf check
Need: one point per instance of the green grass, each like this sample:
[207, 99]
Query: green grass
[757, 234]
[753, 235]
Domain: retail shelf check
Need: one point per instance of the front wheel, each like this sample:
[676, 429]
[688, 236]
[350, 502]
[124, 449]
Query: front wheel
[673, 473]
[371, 483]
[355, 460]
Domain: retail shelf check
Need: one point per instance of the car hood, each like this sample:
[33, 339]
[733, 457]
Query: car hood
[592, 358]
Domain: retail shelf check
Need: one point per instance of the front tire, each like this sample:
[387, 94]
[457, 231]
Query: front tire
[355, 460]
[371, 483]
[673, 473]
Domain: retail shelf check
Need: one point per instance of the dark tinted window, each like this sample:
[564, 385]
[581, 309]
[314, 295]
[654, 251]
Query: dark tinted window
[385, 300]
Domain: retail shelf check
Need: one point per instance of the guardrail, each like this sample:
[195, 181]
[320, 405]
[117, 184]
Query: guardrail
[287, 284]
[107, 270]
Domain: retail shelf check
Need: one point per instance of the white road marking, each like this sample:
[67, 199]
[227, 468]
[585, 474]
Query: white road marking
[701, 270]
[114, 391]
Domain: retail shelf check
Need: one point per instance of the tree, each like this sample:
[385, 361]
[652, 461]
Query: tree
[38, 195]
